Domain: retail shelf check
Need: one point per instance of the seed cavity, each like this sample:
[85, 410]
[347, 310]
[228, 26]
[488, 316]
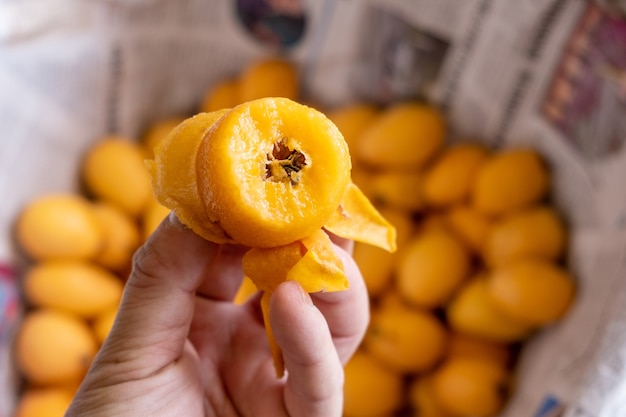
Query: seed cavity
[284, 164]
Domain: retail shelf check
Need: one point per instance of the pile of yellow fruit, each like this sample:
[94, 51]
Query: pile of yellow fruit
[479, 266]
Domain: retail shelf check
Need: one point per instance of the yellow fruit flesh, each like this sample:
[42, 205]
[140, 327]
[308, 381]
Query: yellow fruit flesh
[272, 171]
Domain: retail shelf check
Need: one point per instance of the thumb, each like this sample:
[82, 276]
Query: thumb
[158, 303]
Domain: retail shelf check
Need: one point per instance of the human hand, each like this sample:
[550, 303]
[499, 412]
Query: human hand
[180, 347]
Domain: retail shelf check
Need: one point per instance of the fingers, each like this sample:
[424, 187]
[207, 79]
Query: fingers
[158, 302]
[346, 312]
[314, 386]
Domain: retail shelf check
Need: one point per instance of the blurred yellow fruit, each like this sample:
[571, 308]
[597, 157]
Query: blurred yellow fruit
[376, 266]
[246, 290]
[402, 220]
[157, 132]
[121, 237]
[114, 171]
[471, 226]
[536, 232]
[43, 402]
[406, 135]
[472, 311]
[271, 77]
[422, 399]
[370, 388]
[59, 226]
[152, 217]
[533, 291]
[431, 267]
[398, 189]
[52, 347]
[510, 180]
[223, 95]
[405, 339]
[449, 179]
[475, 347]
[77, 287]
[352, 120]
[471, 387]
[103, 323]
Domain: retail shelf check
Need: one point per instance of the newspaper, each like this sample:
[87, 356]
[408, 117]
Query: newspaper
[549, 73]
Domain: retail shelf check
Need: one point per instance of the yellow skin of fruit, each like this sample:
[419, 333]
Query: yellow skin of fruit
[473, 311]
[449, 179]
[398, 189]
[470, 226]
[121, 237]
[103, 323]
[376, 266]
[403, 222]
[77, 287]
[510, 180]
[405, 339]
[59, 226]
[471, 387]
[269, 78]
[533, 291]
[422, 398]
[537, 232]
[431, 267]
[462, 345]
[405, 136]
[370, 388]
[152, 218]
[53, 347]
[43, 402]
[352, 120]
[223, 95]
[114, 171]
[232, 167]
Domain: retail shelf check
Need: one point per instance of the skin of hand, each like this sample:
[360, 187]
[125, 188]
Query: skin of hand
[180, 347]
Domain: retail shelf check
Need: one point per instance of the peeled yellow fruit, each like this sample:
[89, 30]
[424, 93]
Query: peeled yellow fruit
[471, 226]
[406, 339]
[59, 226]
[471, 387]
[422, 398]
[536, 232]
[114, 171]
[473, 311]
[272, 77]
[43, 402]
[510, 180]
[431, 267]
[77, 287]
[223, 95]
[370, 389]
[270, 174]
[532, 291]
[352, 120]
[406, 135]
[449, 180]
[398, 189]
[53, 347]
[121, 237]
[157, 132]
[103, 323]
